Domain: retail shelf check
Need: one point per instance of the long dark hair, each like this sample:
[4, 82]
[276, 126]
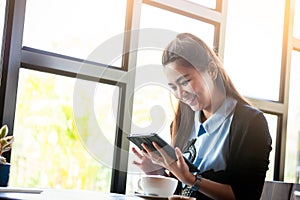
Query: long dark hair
[191, 51]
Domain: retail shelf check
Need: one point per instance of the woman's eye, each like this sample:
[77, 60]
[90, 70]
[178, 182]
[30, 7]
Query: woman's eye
[173, 88]
[186, 82]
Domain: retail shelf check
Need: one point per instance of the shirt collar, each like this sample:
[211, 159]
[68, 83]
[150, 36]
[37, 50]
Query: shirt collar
[216, 120]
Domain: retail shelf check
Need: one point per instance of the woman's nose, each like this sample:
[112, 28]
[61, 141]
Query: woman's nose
[179, 93]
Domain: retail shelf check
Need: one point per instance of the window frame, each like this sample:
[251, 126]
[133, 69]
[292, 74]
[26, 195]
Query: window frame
[14, 56]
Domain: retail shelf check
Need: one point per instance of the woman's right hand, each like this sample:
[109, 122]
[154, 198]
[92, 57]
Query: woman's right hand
[146, 164]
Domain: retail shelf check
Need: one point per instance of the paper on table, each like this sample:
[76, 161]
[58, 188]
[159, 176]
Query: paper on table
[81, 194]
[297, 193]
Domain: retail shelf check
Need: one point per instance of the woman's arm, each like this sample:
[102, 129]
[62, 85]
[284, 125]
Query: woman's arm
[249, 158]
[210, 188]
[180, 170]
[216, 190]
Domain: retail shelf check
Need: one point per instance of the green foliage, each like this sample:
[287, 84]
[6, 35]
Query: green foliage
[47, 151]
[5, 142]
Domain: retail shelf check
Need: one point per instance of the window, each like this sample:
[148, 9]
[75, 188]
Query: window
[152, 112]
[152, 17]
[273, 123]
[257, 46]
[253, 47]
[50, 151]
[73, 28]
[292, 170]
[153, 105]
[254, 44]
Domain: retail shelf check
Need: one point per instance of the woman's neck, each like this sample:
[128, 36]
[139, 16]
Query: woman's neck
[216, 101]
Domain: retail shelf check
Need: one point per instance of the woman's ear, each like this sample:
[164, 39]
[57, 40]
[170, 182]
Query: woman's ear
[212, 70]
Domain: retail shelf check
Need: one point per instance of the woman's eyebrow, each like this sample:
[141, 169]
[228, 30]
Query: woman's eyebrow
[183, 77]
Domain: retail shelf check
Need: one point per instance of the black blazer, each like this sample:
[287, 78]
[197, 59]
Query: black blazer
[249, 149]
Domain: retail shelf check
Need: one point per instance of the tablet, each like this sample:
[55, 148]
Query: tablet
[148, 138]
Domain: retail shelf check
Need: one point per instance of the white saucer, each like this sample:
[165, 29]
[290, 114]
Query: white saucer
[145, 196]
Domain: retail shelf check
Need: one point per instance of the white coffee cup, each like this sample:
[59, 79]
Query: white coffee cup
[157, 185]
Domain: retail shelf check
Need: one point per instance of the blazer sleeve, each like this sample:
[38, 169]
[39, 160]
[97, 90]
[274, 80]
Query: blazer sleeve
[249, 154]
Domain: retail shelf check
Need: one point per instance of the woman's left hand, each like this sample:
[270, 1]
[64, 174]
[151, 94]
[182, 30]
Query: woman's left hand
[178, 167]
[146, 165]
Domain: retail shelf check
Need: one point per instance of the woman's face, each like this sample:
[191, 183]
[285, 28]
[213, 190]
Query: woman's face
[190, 86]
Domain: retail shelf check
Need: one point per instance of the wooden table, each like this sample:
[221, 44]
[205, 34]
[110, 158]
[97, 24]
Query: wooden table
[57, 194]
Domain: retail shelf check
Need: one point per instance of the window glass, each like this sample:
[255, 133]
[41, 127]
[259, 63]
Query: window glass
[253, 47]
[292, 160]
[152, 112]
[152, 17]
[73, 28]
[272, 122]
[49, 149]
[297, 19]
[2, 15]
[152, 97]
[153, 107]
[209, 4]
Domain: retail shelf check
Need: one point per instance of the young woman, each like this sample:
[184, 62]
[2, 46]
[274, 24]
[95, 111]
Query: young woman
[214, 127]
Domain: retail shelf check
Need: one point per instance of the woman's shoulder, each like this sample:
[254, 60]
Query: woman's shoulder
[248, 122]
[245, 114]
[246, 109]
[247, 117]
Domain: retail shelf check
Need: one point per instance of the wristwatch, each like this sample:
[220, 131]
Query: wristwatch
[196, 185]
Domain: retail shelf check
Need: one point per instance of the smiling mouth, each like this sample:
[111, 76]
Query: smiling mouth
[189, 101]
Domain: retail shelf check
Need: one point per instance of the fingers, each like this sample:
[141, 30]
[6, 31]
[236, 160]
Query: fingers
[146, 148]
[167, 160]
[180, 160]
[137, 163]
[159, 157]
[179, 155]
[160, 150]
[140, 156]
[153, 156]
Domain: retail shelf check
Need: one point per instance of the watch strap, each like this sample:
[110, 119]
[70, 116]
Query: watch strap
[196, 185]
